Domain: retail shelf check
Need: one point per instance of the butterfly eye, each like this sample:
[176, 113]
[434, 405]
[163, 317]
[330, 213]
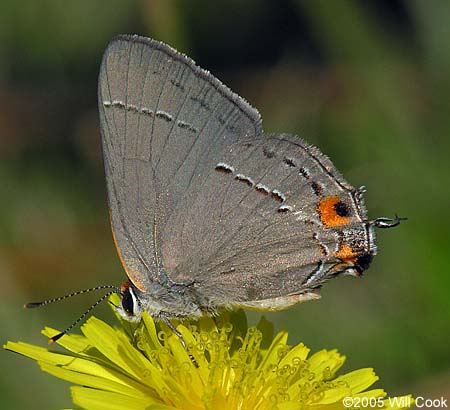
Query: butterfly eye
[128, 302]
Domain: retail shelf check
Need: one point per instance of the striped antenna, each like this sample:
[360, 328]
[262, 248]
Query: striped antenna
[79, 292]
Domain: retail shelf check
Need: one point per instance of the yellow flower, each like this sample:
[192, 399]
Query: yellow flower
[146, 367]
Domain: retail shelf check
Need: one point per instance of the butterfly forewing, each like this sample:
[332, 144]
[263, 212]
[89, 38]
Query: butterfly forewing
[163, 122]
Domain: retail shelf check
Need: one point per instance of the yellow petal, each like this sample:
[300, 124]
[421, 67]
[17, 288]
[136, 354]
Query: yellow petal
[88, 398]
[358, 380]
[325, 363]
[153, 340]
[296, 354]
[88, 367]
[275, 351]
[116, 347]
[131, 388]
[39, 353]
[371, 393]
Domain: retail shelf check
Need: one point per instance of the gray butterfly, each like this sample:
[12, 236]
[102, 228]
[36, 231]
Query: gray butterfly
[207, 210]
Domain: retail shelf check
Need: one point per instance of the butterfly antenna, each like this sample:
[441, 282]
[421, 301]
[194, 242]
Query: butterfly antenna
[79, 292]
[59, 335]
[53, 339]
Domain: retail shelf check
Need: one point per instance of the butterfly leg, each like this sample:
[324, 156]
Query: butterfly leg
[180, 336]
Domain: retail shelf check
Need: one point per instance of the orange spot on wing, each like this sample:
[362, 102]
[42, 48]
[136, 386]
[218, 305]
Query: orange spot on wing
[345, 252]
[328, 214]
[348, 257]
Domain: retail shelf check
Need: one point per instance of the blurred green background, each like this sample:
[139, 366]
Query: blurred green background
[366, 81]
